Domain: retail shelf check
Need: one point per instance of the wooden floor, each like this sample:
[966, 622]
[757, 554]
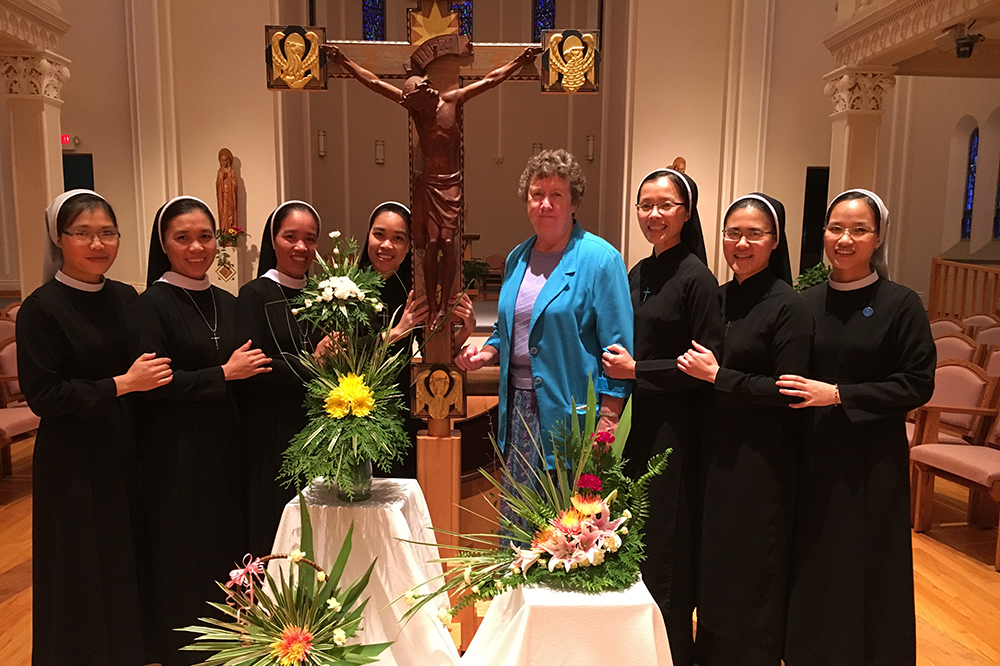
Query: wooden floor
[957, 589]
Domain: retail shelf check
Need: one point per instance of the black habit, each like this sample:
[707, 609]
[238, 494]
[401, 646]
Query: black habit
[851, 596]
[749, 457]
[71, 343]
[190, 462]
[676, 300]
[271, 403]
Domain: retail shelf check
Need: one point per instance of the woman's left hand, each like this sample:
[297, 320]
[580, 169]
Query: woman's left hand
[467, 314]
[618, 363]
[699, 362]
[812, 392]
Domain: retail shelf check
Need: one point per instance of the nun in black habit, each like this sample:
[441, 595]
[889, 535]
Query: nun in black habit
[271, 404]
[74, 369]
[872, 360]
[675, 298]
[750, 443]
[191, 464]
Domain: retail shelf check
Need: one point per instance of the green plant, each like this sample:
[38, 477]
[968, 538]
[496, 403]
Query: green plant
[306, 619]
[812, 277]
[577, 527]
[474, 272]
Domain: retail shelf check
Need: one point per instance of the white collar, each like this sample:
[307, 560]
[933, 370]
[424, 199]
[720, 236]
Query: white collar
[285, 280]
[184, 282]
[856, 284]
[77, 284]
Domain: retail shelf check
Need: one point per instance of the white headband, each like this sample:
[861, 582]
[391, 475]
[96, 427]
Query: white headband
[774, 213]
[371, 218]
[684, 180]
[274, 215]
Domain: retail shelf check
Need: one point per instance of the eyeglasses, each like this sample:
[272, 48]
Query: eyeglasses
[854, 232]
[752, 235]
[106, 236]
[664, 208]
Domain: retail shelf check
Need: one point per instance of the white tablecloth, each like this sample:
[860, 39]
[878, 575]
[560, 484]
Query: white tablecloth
[538, 625]
[396, 510]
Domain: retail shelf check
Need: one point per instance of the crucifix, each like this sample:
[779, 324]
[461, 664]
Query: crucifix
[441, 71]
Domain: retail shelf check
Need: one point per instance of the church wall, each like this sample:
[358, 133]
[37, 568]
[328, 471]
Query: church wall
[923, 149]
[735, 88]
[10, 279]
[97, 109]
[156, 89]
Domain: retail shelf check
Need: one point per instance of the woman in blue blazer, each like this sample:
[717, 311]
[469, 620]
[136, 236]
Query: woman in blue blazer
[564, 300]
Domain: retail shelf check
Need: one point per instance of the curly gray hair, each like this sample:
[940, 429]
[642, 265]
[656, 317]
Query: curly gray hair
[554, 163]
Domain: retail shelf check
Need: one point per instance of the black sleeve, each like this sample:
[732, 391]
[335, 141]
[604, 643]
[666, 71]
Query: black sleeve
[41, 348]
[701, 303]
[148, 320]
[790, 346]
[911, 383]
[252, 322]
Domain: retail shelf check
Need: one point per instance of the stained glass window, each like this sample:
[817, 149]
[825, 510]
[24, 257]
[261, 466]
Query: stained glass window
[464, 11]
[543, 18]
[373, 20]
[970, 185]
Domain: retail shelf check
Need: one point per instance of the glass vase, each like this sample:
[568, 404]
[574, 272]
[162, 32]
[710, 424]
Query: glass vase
[359, 488]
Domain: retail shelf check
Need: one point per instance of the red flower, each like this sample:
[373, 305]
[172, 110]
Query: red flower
[603, 441]
[589, 482]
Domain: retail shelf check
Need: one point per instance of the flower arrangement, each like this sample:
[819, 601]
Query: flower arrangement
[352, 400]
[227, 238]
[342, 296]
[578, 527]
[307, 619]
[231, 236]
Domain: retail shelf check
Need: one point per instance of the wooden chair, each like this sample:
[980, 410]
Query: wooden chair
[960, 407]
[975, 467]
[10, 388]
[956, 347]
[494, 278]
[10, 312]
[7, 328]
[988, 335]
[981, 320]
[946, 325]
[16, 420]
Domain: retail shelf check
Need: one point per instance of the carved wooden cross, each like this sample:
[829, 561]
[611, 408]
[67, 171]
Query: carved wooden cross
[436, 51]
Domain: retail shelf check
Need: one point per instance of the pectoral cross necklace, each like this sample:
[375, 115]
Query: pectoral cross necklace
[646, 294]
[215, 316]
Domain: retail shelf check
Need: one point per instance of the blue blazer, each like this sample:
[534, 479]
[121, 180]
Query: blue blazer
[583, 308]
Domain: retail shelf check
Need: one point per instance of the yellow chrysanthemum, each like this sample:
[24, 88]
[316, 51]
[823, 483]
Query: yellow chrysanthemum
[351, 396]
[353, 386]
[337, 406]
[362, 406]
[293, 647]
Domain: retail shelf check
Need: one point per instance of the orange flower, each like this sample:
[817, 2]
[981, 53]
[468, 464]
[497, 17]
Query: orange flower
[293, 647]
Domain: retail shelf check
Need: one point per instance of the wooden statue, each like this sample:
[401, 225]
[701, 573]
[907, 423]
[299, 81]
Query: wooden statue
[225, 190]
[437, 189]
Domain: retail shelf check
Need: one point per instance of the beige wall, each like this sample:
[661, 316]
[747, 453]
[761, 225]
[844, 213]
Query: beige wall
[737, 90]
[922, 168]
[156, 89]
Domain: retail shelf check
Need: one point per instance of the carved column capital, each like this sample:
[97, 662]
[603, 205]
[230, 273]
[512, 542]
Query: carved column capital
[37, 76]
[853, 90]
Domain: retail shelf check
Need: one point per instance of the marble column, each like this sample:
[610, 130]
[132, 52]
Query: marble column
[858, 99]
[32, 85]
